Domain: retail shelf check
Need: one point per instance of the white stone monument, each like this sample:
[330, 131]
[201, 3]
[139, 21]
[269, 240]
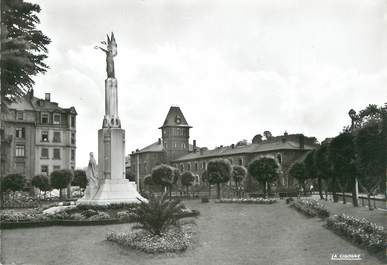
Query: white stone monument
[112, 186]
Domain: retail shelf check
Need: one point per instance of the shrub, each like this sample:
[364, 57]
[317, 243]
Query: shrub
[99, 216]
[359, 231]
[89, 213]
[158, 215]
[41, 182]
[311, 208]
[60, 179]
[80, 179]
[218, 171]
[13, 182]
[123, 215]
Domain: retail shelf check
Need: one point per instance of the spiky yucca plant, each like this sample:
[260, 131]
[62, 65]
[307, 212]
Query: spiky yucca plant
[158, 215]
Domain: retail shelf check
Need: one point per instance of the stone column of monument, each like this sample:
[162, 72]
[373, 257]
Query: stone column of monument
[113, 187]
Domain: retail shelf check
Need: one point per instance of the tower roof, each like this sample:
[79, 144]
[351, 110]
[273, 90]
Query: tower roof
[175, 118]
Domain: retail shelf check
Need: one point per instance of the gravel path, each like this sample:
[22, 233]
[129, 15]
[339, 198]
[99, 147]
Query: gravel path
[229, 234]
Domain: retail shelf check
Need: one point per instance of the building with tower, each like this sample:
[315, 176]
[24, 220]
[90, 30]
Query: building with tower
[174, 148]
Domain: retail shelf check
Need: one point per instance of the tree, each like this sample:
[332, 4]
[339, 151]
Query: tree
[371, 156]
[42, 183]
[13, 182]
[80, 179]
[60, 179]
[267, 135]
[298, 172]
[158, 215]
[238, 174]
[219, 171]
[264, 170]
[187, 179]
[311, 171]
[324, 169]
[165, 176]
[23, 48]
[342, 156]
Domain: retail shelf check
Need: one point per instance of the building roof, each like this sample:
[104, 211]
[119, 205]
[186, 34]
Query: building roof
[158, 147]
[175, 118]
[245, 149]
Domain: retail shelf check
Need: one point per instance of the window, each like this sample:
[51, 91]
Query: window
[144, 167]
[19, 115]
[189, 166]
[44, 118]
[72, 121]
[72, 155]
[183, 145]
[175, 145]
[204, 165]
[56, 168]
[196, 166]
[44, 170]
[20, 148]
[279, 158]
[44, 136]
[44, 153]
[165, 132]
[72, 138]
[56, 138]
[56, 118]
[240, 162]
[20, 133]
[56, 153]
[181, 167]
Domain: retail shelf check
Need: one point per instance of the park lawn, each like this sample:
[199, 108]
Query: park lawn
[228, 234]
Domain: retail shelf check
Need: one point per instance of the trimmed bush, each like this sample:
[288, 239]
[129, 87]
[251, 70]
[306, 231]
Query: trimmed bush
[99, 216]
[359, 231]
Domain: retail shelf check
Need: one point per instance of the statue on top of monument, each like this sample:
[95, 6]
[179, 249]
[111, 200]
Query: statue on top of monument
[111, 51]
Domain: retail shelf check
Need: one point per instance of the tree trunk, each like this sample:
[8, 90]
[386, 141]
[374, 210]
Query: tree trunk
[60, 194]
[344, 200]
[304, 188]
[186, 188]
[369, 201]
[209, 191]
[218, 190]
[264, 189]
[319, 183]
[236, 188]
[69, 191]
[334, 192]
[374, 201]
[355, 202]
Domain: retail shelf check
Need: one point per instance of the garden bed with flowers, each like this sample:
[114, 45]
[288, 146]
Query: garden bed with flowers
[360, 231]
[247, 200]
[175, 240]
[310, 208]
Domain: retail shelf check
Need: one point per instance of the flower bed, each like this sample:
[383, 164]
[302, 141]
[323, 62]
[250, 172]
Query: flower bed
[172, 241]
[248, 200]
[311, 208]
[359, 231]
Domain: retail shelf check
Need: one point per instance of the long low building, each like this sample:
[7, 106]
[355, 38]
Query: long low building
[174, 148]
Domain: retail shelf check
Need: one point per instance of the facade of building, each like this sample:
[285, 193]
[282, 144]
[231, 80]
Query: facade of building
[38, 137]
[173, 148]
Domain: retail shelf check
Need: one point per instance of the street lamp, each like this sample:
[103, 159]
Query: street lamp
[355, 195]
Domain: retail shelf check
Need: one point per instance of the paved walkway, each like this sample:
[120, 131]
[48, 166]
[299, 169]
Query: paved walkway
[229, 234]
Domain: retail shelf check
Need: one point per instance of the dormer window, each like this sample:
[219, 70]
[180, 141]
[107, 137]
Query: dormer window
[44, 118]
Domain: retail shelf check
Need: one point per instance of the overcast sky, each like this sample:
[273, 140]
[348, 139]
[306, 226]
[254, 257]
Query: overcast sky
[235, 68]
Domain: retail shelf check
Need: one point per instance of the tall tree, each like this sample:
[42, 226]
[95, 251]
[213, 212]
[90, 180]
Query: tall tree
[219, 171]
[23, 48]
[298, 172]
[324, 169]
[265, 171]
[311, 171]
[80, 179]
[342, 156]
[238, 174]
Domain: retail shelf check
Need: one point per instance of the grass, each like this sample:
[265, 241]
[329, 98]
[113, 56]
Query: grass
[227, 234]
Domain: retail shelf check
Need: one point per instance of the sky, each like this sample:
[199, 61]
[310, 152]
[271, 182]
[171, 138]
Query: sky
[235, 68]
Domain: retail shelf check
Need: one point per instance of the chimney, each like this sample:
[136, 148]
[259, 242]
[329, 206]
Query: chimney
[302, 141]
[201, 151]
[159, 140]
[284, 138]
[194, 146]
[47, 97]
[232, 146]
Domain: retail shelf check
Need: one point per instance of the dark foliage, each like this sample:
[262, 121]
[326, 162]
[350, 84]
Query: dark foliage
[80, 179]
[41, 182]
[218, 171]
[13, 182]
[265, 171]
